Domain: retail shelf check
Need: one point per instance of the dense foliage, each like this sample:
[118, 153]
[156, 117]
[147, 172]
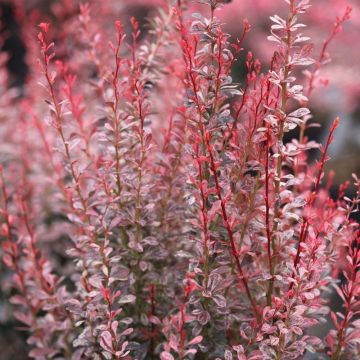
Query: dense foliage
[150, 206]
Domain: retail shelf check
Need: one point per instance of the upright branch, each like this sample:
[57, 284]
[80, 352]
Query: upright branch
[57, 110]
[310, 201]
[234, 251]
[347, 325]
[290, 55]
[116, 126]
[267, 201]
[324, 55]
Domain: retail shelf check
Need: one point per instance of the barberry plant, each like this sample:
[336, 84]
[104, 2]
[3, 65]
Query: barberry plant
[151, 207]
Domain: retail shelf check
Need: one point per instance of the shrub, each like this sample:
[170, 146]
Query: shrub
[151, 207]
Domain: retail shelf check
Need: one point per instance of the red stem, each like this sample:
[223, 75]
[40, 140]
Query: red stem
[305, 225]
[267, 205]
[227, 225]
[335, 30]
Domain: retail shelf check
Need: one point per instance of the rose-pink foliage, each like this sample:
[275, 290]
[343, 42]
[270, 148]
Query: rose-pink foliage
[151, 207]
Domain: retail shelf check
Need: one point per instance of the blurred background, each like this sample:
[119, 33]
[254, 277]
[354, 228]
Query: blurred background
[337, 93]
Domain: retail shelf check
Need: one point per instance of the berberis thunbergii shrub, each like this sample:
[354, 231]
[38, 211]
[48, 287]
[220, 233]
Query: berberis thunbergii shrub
[150, 206]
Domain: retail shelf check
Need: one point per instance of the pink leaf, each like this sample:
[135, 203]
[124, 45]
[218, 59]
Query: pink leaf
[196, 340]
[166, 356]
